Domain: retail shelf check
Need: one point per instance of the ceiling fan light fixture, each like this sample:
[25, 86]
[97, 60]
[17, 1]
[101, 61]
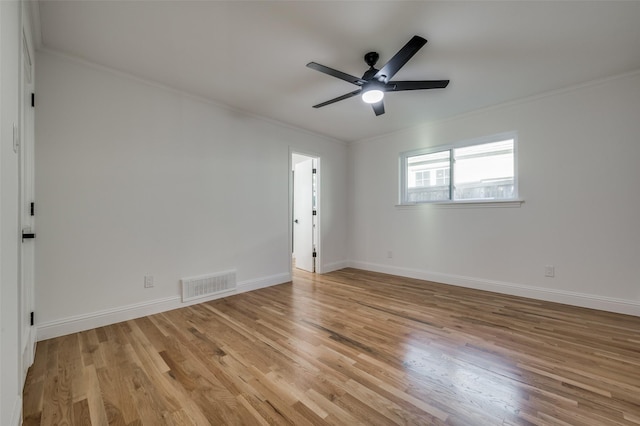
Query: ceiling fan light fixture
[372, 96]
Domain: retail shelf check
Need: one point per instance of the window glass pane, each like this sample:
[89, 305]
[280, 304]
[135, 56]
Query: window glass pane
[428, 177]
[484, 172]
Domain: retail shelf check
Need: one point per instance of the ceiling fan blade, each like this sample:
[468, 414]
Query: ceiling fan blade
[335, 73]
[378, 108]
[339, 98]
[402, 57]
[396, 86]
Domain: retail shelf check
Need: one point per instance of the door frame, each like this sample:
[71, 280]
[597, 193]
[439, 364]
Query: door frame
[26, 158]
[318, 230]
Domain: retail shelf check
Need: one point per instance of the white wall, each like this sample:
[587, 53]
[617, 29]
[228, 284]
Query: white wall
[578, 153]
[134, 179]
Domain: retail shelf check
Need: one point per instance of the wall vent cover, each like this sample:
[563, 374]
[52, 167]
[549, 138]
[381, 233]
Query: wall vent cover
[208, 285]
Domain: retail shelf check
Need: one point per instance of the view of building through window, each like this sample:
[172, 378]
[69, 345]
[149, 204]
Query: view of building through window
[428, 177]
[478, 172]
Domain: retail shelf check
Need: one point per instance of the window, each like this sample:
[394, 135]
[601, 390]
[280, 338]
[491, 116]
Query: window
[478, 170]
[423, 178]
[421, 189]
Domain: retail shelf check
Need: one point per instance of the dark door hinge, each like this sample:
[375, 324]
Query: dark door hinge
[32, 317]
[33, 100]
[314, 171]
[314, 254]
[32, 209]
[28, 236]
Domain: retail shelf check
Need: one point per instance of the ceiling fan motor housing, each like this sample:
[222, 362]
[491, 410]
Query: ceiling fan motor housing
[371, 58]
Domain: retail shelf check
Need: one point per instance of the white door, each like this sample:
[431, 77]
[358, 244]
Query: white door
[303, 214]
[26, 163]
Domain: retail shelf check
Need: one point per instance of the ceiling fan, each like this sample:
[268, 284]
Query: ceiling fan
[375, 82]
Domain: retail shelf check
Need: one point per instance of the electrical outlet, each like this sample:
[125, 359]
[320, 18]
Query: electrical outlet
[148, 281]
[549, 271]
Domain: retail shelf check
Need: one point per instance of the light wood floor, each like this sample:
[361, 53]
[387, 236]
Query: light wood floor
[347, 348]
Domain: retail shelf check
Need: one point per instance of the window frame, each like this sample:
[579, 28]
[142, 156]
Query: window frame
[404, 178]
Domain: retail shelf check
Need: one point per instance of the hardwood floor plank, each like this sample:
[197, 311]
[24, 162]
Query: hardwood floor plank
[346, 348]
[81, 414]
[256, 416]
[111, 396]
[97, 412]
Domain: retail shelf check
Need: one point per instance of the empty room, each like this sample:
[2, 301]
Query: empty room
[319, 212]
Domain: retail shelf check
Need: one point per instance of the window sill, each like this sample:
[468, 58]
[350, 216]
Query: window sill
[466, 204]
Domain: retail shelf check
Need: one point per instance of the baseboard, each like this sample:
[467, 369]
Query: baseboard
[31, 347]
[256, 284]
[330, 267]
[584, 300]
[74, 324]
[16, 413]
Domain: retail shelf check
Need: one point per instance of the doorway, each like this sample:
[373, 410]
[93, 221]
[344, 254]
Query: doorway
[305, 212]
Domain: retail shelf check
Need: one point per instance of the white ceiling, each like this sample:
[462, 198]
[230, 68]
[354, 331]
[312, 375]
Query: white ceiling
[252, 55]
